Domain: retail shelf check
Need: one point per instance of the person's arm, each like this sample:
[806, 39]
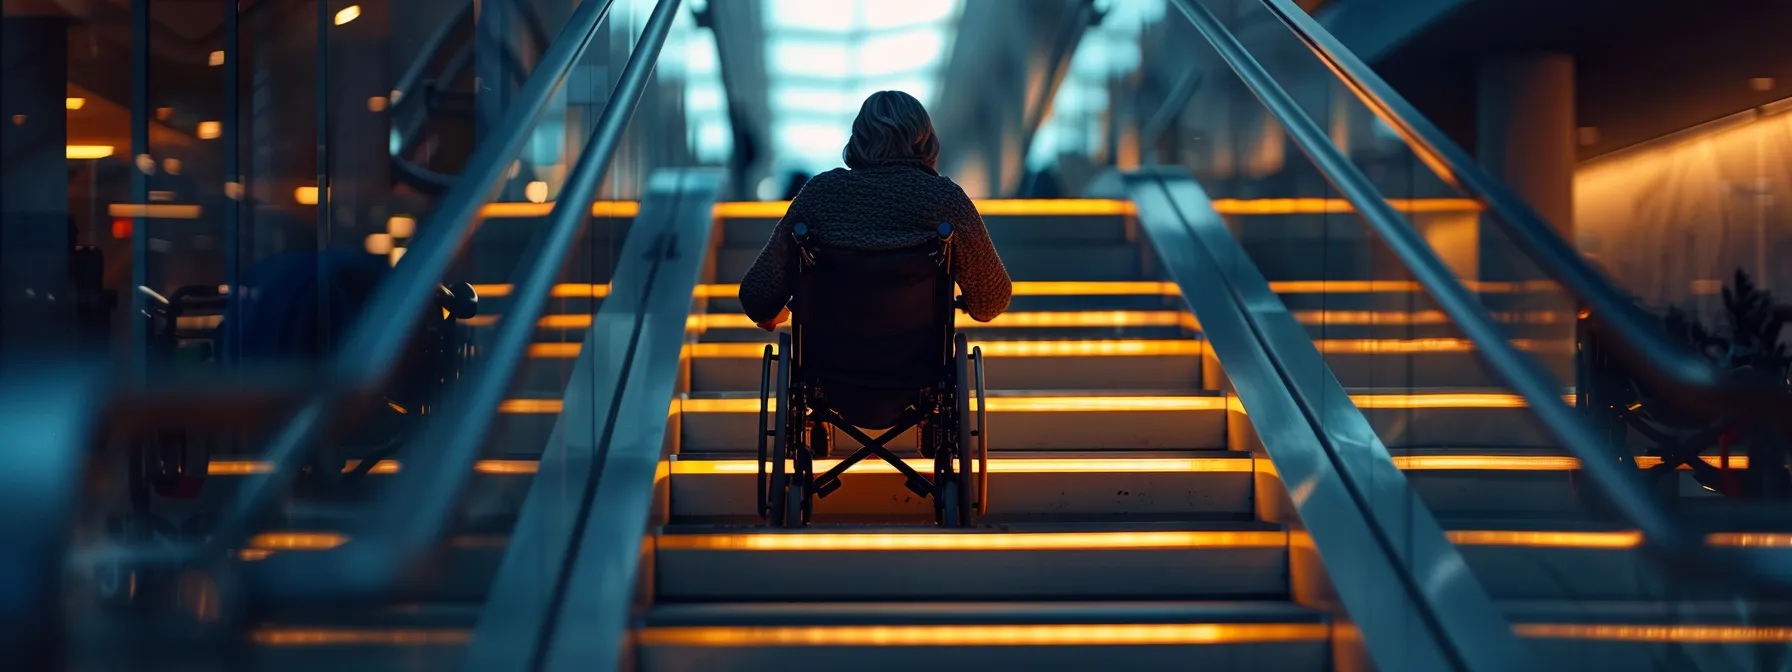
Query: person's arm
[981, 276]
[765, 291]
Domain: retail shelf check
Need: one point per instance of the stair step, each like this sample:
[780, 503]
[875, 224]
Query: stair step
[1240, 562]
[1022, 486]
[996, 635]
[1590, 634]
[1038, 365]
[1017, 421]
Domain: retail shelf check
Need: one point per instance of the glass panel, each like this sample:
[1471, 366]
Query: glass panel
[1511, 496]
[304, 260]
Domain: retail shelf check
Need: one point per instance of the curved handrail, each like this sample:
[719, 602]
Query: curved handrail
[1692, 381]
[371, 348]
[1620, 483]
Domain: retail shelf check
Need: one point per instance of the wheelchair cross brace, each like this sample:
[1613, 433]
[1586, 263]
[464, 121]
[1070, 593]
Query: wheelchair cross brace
[828, 482]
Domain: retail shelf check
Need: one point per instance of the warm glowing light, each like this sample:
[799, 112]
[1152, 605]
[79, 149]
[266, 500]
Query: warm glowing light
[237, 468]
[1439, 400]
[1415, 318]
[359, 637]
[394, 255]
[209, 130]
[1008, 404]
[536, 192]
[215, 59]
[154, 210]
[1003, 465]
[1393, 346]
[400, 226]
[377, 104]
[75, 103]
[528, 406]
[1054, 206]
[1627, 539]
[378, 243]
[1122, 348]
[1093, 288]
[947, 541]
[82, 152]
[1067, 207]
[1750, 539]
[1678, 634]
[1320, 206]
[1108, 319]
[347, 14]
[297, 541]
[507, 466]
[305, 195]
[555, 350]
[1485, 462]
[384, 467]
[561, 291]
[984, 635]
[380, 467]
[1736, 461]
[1129, 348]
[517, 210]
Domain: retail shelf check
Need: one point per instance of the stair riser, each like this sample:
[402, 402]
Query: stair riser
[1223, 573]
[723, 432]
[742, 233]
[1131, 372]
[1304, 655]
[1094, 262]
[1012, 495]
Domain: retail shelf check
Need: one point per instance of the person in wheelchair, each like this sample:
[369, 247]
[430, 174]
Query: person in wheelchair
[868, 256]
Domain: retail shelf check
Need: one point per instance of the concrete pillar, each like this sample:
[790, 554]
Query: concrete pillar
[1525, 135]
[1525, 131]
[36, 308]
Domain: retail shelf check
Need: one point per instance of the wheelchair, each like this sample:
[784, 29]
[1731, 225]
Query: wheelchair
[205, 325]
[872, 344]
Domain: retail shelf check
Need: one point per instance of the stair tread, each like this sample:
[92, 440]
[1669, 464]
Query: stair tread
[945, 613]
[1012, 528]
[754, 394]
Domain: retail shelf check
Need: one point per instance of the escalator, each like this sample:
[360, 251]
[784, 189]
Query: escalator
[1243, 432]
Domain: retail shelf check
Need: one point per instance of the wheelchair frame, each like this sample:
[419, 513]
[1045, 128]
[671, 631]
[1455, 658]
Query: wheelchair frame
[173, 465]
[788, 486]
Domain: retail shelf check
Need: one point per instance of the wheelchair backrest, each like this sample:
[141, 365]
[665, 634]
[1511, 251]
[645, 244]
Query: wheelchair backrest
[875, 318]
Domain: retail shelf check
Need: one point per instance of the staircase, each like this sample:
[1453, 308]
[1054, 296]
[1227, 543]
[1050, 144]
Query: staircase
[1120, 525]
[1574, 584]
[1128, 520]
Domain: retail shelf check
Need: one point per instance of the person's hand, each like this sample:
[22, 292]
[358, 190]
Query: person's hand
[779, 319]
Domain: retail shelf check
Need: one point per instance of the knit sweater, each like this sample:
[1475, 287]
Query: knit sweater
[881, 208]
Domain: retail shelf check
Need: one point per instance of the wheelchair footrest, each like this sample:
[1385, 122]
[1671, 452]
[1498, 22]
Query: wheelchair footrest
[920, 486]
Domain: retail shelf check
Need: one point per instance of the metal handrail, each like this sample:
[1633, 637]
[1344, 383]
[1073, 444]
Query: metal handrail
[411, 513]
[1620, 483]
[372, 347]
[1691, 380]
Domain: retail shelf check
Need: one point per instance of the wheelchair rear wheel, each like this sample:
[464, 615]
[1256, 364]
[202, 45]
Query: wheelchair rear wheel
[952, 514]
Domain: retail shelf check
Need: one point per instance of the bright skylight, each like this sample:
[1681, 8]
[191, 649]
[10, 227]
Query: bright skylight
[825, 56]
[1107, 51]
